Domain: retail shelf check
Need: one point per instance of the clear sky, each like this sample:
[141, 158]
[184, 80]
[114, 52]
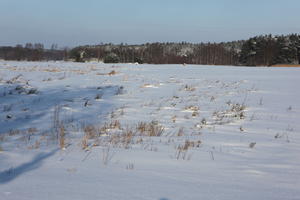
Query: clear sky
[75, 22]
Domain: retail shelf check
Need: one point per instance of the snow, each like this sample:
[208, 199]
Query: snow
[228, 132]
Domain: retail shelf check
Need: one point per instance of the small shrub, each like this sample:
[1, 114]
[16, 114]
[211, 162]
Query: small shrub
[84, 142]
[90, 132]
[98, 96]
[203, 121]
[252, 144]
[195, 114]
[152, 129]
[9, 116]
[32, 91]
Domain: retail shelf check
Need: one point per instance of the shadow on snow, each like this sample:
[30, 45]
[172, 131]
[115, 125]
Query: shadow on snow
[12, 173]
[42, 104]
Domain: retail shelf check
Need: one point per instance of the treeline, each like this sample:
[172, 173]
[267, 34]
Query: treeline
[161, 53]
[257, 51]
[33, 52]
[269, 50]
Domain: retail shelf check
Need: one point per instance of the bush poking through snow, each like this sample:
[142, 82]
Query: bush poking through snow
[90, 132]
[32, 91]
[182, 150]
[152, 129]
[252, 144]
[98, 96]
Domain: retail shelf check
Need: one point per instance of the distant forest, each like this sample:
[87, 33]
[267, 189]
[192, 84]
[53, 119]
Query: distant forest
[257, 51]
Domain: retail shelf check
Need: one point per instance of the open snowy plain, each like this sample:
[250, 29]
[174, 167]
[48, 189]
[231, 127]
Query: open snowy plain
[73, 131]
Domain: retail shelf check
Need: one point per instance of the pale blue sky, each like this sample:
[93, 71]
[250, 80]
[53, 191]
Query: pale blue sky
[75, 22]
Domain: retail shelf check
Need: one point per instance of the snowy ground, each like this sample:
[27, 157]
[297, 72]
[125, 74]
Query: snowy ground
[164, 132]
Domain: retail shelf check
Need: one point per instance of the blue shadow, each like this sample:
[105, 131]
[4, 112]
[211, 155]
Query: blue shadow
[12, 173]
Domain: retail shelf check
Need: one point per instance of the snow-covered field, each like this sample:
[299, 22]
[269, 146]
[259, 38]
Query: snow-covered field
[163, 132]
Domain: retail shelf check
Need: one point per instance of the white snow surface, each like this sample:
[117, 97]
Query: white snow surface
[249, 153]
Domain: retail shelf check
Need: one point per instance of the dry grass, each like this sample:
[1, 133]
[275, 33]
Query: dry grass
[90, 132]
[192, 108]
[62, 137]
[182, 150]
[286, 65]
[101, 74]
[84, 142]
[52, 70]
[189, 88]
[111, 73]
[234, 112]
[127, 137]
[147, 85]
[56, 120]
[142, 127]
[152, 129]
[180, 153]
[113, 134]
[191, 144]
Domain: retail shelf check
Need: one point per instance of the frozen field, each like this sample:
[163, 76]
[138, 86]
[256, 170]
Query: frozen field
[137, 132]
